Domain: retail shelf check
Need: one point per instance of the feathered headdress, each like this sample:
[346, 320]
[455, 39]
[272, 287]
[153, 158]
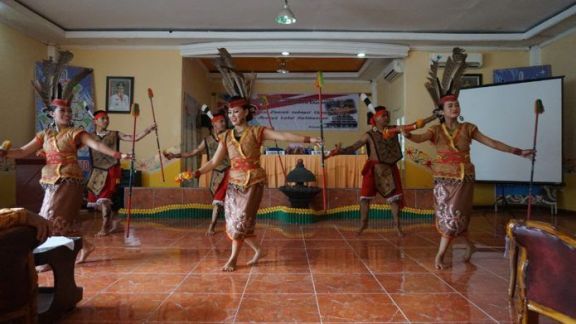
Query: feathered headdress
[451, 79]
[50, 88]
[234, 82]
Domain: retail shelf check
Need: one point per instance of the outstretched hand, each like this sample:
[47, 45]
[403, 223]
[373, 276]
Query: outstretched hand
[335, 151]
[126, 156]
[151, 127]
[315, 140]
[169, 155]
[527, 153]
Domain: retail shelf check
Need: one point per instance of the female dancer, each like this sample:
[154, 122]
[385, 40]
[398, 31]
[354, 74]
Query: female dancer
[246, 177]
[454, 172]
[61, 176]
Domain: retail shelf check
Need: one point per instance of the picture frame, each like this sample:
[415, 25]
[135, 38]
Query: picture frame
[471, 80]
[119, 94]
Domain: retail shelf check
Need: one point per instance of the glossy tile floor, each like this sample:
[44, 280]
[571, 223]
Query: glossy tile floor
[322, 272]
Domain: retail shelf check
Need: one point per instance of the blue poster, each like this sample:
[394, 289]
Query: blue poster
[83, 92]
[522, 74]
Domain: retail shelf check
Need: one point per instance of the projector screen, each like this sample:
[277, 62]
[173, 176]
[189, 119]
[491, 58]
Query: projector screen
[505, 112]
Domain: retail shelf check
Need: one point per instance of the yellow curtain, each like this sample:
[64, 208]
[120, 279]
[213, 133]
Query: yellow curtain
[343, 171]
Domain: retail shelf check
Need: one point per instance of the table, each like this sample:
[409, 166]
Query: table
[54, 301]
[343, 171]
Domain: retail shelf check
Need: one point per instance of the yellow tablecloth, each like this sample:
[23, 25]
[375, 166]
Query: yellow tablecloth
[343, 171]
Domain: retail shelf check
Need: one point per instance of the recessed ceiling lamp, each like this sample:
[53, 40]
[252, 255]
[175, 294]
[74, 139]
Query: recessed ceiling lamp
[283, 67]
[285, 53]
[285, 16]
[361, 54]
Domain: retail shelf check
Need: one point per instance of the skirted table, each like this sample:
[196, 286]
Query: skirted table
[342, 171]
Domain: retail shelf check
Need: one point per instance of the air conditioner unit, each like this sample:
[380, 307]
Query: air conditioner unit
[474, 60]
[393, 70]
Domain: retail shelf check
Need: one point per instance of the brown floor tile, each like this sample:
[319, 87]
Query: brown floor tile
[282, 266]
[346, 283]
[359, 308]
[117, 308]
[280, 283]
[175, 274]
[396, 283]
[444, 307]
[498, 306]
[146, 283]
[224, 283]
[186, 307]
[278, 308]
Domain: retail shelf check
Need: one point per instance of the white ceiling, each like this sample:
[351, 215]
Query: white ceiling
[184, 22]
[384, 29]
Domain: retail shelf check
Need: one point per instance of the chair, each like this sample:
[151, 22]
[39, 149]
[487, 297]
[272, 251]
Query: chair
[543, 261]
[19, 282]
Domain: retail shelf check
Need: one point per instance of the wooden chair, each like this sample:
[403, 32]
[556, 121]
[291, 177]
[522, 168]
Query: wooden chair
[18, 279]
[543, 266]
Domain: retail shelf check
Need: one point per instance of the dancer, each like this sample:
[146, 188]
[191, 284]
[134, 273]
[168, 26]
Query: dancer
[246, 176]
[219, 179]
[106, 172]
[61, 176]
[380, 173]
[453, 171]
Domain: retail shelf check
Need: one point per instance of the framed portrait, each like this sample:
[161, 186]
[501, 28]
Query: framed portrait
[119, 94]
[471, 80]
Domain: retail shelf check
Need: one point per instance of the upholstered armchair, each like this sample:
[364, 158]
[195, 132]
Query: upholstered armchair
[18, 279]
[543, 269]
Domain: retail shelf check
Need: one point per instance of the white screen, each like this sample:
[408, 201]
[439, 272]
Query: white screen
[505, 112]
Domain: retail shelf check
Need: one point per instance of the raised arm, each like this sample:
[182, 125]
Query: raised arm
[216, 159]
[418, 138]
[141, 135]
[23, 151]
[270, 134]
[86, 139]
[497, 145]
[192, 153]
[349, 149]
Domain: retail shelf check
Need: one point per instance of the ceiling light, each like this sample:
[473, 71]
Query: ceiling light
[285, 53]
[283, 67]
[361, 54]
[285, 16]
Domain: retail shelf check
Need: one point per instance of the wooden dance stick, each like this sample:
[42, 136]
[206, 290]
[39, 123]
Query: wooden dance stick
[150, 96]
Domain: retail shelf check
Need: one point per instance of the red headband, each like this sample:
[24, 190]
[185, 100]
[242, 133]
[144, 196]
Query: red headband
[238, 103]
[217, 118]
[97, 114]
[377, 114]
[447, 98]
[60, 103]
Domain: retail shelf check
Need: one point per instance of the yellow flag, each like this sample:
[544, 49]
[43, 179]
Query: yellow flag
[319, 79]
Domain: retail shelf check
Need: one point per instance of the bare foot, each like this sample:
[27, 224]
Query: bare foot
[85, 252]
[229, 266]
[116, 227]
[470, 249]
[102, 233]
[43, 268]
[362, 228]
[439, 263]
[210, 231]
[257, 256]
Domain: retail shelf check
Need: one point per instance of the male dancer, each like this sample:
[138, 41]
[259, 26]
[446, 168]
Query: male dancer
[219, 179]
[106, 172]
[380, 173]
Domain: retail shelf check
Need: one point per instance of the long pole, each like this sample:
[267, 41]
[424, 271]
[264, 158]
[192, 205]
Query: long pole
[538, 109]
[135, 113]
[150, 96]
[319, 84]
